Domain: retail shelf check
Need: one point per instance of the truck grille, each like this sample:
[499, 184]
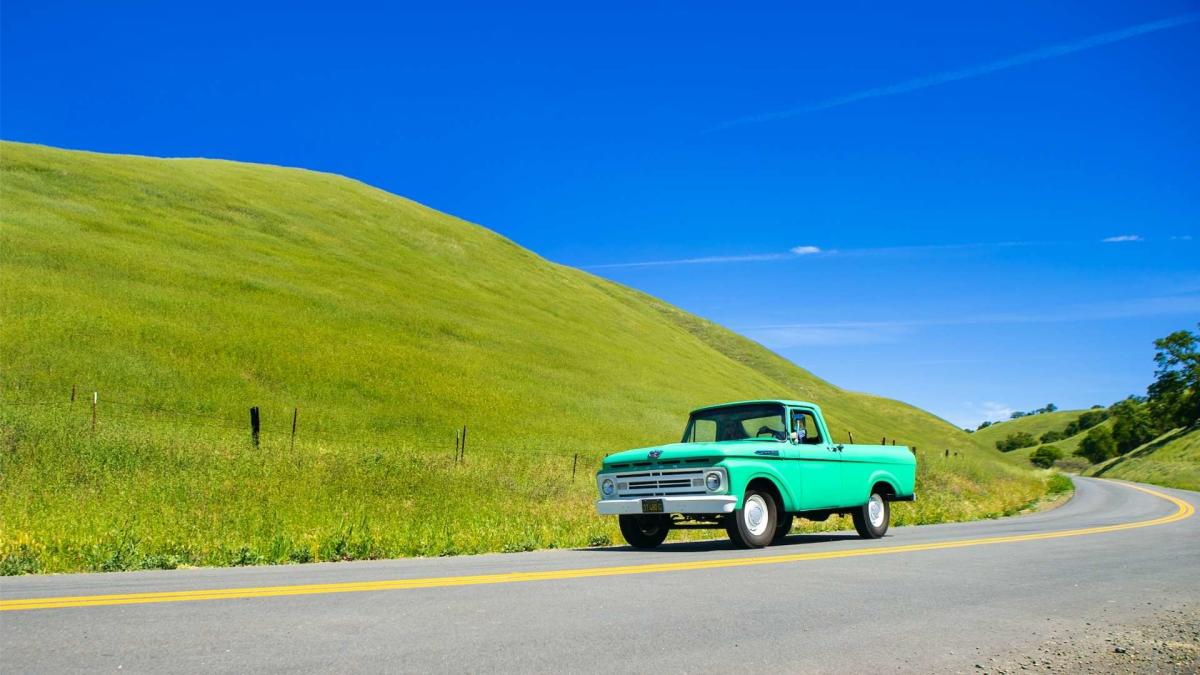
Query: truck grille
[660, 483]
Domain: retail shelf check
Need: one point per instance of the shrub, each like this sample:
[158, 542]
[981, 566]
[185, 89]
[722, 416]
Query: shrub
[1059, 484]
[1021, 439]
[1045, 456]
[1052, 436]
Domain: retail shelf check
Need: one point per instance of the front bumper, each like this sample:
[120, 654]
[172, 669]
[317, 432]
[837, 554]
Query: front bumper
[689, 504]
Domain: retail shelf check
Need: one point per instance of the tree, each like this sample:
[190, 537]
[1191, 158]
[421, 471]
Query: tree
[1021, 439]
[1132, 425]
[1052, 436]
[1097, 446]
[1175, 393]
[1016, 415]
[1050, 407]
[1045, 456]
[984, 425]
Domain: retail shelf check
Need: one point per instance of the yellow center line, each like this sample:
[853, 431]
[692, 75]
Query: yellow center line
[1184, 511]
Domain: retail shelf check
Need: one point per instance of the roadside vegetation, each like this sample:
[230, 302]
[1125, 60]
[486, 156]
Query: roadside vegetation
[186, 291]
[1172, 459]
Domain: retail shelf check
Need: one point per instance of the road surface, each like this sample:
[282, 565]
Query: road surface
[932, 598]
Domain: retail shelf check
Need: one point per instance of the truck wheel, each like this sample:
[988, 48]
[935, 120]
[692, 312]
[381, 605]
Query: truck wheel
[753, 525]
[871, 519]
[783, 528]
[643, 531]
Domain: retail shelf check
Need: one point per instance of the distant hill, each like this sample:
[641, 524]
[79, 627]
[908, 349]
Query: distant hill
[1172, 459]
[195, 289]
[1033, 424]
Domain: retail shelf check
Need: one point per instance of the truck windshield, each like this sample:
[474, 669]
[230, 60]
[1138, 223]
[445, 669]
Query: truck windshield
[737, 423]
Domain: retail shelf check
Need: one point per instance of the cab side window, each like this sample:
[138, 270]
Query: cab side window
[804, 424]
[703, 431]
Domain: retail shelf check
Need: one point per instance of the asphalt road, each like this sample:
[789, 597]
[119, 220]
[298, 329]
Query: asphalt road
[932, 598]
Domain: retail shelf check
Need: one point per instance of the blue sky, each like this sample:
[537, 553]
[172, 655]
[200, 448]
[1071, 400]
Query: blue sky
[909, 199]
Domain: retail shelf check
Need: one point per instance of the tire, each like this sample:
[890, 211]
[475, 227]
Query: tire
[782, 528]
[644, 532]
[871, 519]
[753, 525]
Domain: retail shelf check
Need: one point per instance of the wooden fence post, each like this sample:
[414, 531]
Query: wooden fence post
[574, 464]
[295, 417]
[463, 450]
[95, 400]
[254, 425]
[851, 434]
[72, 394]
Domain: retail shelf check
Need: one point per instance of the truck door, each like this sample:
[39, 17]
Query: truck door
[814, 464]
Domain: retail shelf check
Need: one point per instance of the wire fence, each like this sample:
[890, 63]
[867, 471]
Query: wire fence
[456, 443]
[455, 446]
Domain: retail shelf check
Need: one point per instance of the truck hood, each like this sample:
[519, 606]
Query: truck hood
[721, 449]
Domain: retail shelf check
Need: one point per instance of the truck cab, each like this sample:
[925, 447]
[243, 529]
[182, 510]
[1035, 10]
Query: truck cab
[751, 467]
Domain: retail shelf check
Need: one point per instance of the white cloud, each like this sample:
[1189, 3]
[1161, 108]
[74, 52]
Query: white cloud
[993, 411]
[1121, 238]
[1053, 51]
[712, 260]
[974, 414]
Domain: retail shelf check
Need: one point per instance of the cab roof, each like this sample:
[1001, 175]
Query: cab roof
[772, 401]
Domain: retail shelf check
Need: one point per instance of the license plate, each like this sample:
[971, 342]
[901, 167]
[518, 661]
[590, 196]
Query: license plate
[652, 506]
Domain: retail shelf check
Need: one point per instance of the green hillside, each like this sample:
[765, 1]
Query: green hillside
[1068, 446]
[185, 291]
[1172, 460]
[1033, 424]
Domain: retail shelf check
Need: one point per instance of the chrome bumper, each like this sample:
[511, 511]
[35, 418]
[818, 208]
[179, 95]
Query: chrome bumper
[698, 504]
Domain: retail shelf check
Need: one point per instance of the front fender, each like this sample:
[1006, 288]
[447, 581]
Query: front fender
[741, 472]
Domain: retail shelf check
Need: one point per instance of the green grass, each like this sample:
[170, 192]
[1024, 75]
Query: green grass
[1172, 460]
[185, 291]
[1033, 424]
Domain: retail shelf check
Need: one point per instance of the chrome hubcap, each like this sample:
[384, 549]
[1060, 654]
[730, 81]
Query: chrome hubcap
[755, 515]
[875, 511]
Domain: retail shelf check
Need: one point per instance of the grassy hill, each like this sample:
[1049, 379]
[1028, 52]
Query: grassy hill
[1033, 424]
[1172, 460]
[1070, 462]
[185, 291]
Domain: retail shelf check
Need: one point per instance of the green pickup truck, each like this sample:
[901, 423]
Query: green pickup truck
[751, 467]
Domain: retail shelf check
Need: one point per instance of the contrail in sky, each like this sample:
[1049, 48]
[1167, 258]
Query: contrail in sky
[1022, 59]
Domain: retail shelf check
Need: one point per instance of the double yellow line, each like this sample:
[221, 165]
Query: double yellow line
[1184, 511]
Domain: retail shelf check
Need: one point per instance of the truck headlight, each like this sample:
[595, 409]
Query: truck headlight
[607, 487]
[713, 481]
